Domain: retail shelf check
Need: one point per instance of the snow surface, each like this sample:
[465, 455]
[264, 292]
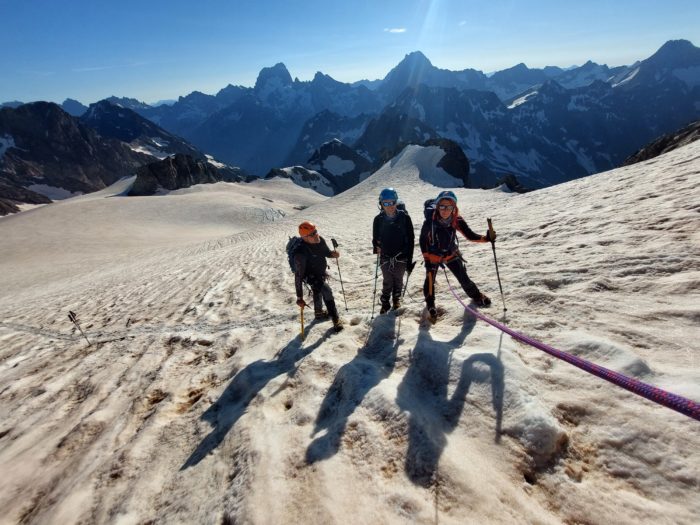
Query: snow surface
[309, 179]
[338, 166]
[211, 160]
[198, 403]
[147, 149]
[518, 101]
[52, 192]
[627, 78]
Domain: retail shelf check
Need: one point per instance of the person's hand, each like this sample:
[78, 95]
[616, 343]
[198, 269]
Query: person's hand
[378, 251]
[491, 235]
[300, 302]
[335, 254]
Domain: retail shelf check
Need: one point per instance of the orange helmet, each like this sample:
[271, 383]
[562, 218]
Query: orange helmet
[307, 228]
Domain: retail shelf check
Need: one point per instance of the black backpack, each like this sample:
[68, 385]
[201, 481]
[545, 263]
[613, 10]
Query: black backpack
[293, 246]
[429, 209]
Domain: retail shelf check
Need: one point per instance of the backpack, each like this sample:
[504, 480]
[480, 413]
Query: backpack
[429, 209]
[293, 246]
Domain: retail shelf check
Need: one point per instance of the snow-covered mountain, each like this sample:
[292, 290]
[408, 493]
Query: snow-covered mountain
[274, 124]
[515, 122]
[340, 164]
[325, 127]
[124, 124]
[305, 178]
[198, 402]
[47, 153]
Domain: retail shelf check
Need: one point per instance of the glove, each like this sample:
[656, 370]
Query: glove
[488, 236]
[300, 302]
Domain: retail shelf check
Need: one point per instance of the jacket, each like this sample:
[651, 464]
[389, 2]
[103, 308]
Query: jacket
[394, 237]
[310, 264]
[438, 241]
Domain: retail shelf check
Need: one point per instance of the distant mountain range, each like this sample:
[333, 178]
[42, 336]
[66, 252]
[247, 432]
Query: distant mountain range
[544, 126]
[48, 154]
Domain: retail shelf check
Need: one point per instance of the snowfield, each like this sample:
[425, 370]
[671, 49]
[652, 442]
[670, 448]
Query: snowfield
[198, 402]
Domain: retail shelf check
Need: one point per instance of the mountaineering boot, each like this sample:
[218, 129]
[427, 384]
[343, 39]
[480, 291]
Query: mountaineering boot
[397, 303]
[432, 314]
[483, 301]
[321, 315]
[337, 324]
[384, 309]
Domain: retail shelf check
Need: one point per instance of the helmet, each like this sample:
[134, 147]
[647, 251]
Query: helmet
[388, 194]
[306, 228]
[446, 195]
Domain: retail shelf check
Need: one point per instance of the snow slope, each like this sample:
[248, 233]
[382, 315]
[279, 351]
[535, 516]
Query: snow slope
[198, 403]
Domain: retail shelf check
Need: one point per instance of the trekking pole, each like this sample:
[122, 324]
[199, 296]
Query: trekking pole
[374, 294]
[409, 271]
[301, 308]
[495, 260]
[74, 320]
[335, 245]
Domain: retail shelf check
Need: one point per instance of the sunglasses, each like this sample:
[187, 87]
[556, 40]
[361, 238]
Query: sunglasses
[388, 203]
[312, 234]
[447, 207]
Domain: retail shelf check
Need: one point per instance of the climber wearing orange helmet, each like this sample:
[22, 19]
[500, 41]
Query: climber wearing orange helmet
[310, 267]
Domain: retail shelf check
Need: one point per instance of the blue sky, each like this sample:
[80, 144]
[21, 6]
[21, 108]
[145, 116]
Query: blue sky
[152, 50]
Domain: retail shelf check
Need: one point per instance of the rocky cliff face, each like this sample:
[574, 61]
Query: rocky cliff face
[340, 164]
[180, 171]
[45, 152]
[666, 143]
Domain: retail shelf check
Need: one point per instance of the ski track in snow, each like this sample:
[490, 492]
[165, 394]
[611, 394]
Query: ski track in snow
[198, 403]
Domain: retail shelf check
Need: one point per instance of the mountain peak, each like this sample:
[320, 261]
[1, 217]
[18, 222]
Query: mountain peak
[277, 74]
[675, 53]
[412, 70]
[417, 58]
[324, 80]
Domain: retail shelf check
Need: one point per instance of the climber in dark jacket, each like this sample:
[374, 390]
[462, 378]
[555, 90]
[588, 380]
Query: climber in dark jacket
[438, 243]
[392, 241]
[310, 267]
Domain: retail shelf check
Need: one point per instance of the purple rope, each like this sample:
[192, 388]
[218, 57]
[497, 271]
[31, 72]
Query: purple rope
[662, 397]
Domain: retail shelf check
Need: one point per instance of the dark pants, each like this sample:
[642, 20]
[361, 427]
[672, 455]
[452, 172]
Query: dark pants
[322, 293]
[456, 266]
[392, 275]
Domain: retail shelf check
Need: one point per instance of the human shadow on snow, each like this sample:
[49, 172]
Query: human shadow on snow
[374, 362]
[243, 388]
[423, 393]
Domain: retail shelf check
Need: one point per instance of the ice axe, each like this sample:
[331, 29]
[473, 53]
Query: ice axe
[335, 245]
[302, 322]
